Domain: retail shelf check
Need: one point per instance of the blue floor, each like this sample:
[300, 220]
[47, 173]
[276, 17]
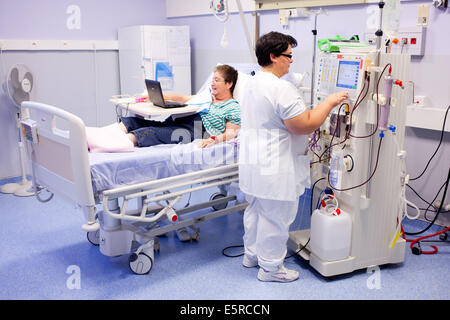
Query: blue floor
[42, 243]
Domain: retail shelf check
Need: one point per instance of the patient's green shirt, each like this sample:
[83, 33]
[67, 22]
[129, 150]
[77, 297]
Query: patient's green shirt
[218, 114]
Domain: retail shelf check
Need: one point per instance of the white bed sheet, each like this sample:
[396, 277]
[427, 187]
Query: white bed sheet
[111, 170]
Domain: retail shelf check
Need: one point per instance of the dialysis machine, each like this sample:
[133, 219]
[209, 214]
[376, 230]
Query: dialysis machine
[357, 164]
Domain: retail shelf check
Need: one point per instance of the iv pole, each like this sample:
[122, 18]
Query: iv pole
[379, 34]
[314, 32]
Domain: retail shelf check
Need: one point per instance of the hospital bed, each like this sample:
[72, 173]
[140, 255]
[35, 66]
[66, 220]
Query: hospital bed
[105, 185]
[155, 177]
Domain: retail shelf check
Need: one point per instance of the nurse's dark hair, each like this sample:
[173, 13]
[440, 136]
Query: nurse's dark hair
[272, 42]
[228, 73]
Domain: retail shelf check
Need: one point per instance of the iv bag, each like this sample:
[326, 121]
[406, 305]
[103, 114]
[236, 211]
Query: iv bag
[391, 17]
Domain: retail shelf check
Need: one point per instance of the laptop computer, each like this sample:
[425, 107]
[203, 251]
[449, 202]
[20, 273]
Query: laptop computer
[156, 97]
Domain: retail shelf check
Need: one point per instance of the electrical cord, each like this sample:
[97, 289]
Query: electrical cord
[430, 204]
[439, 210]
[36, 188]
[297, 252]
[233, 256]
[439, 145]
[421, 198]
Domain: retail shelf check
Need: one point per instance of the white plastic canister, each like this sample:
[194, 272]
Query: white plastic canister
[330, 235]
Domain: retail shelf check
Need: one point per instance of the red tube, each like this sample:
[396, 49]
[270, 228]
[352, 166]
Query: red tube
[425, 237]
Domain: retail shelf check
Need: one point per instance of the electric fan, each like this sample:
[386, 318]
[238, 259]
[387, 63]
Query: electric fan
[19, 87]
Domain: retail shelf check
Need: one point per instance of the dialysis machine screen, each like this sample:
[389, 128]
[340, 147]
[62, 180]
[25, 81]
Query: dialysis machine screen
[348, 74]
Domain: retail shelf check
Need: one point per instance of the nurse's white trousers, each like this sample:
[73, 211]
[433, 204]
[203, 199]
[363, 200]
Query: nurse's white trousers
[266, 226]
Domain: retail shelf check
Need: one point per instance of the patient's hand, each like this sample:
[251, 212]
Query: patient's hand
[206, 143]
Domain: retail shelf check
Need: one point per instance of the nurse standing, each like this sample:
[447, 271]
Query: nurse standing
[273, 165]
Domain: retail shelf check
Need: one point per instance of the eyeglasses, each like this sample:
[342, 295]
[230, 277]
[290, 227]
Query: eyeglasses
[216, 80]
[286, 55]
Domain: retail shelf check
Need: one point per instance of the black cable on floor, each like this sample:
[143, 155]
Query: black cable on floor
[239, 246]
[230, 256]
[438, 212]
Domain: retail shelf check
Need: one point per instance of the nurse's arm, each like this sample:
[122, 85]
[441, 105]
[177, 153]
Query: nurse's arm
[310, 120]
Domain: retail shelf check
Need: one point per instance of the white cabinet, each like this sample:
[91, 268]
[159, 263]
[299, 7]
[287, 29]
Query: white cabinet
[160, 53]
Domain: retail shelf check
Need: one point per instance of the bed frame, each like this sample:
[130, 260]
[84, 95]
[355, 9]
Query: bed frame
[59, 162]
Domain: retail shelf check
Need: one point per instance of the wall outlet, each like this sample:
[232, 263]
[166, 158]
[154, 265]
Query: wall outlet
[408, 40]
[290, 13]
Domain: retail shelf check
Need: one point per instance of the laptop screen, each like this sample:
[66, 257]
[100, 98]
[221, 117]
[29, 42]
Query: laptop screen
[154, 92]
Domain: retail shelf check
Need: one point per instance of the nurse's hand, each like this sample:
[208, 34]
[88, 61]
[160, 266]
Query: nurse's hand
[337, 98]
[206, 143]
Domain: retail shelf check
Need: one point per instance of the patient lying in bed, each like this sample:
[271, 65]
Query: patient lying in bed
[220, 122]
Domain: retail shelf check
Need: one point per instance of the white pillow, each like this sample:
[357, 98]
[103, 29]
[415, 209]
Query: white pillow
[295, 78]
[243, 77]
[241, 83]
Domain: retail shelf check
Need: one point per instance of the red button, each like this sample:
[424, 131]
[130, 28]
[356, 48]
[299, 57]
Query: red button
[413, 40]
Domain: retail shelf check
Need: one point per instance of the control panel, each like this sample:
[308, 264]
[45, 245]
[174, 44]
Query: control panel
[337, 72]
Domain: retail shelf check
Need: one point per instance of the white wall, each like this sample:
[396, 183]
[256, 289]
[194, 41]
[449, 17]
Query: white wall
[80, 81]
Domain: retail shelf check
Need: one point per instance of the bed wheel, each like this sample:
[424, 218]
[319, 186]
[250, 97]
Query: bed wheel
[216, 196]
[140, 263]
[94, 237]
[195, 237]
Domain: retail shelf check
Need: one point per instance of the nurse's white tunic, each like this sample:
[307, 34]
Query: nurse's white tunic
[272, 162]
[273, 166]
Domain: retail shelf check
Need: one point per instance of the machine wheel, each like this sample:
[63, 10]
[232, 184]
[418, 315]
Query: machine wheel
[416, 249]
[216, 196]
[94, 237]
[140, 263]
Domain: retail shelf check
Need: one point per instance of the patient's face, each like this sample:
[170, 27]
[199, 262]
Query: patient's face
[218, 85]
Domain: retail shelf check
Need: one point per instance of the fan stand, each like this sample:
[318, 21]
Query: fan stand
[23, 188]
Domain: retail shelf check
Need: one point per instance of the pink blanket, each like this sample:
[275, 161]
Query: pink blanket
[108, 139]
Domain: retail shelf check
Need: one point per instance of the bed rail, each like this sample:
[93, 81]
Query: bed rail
[204, 179]
[59, 157]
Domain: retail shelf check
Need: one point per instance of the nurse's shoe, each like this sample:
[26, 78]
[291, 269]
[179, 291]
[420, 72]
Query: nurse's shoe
[249, 262]
[281, 275]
